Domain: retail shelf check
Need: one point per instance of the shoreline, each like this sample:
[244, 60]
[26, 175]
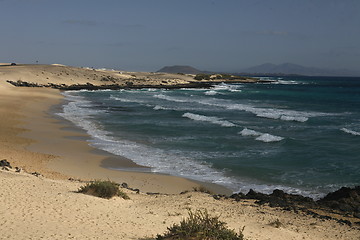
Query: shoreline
[48, 206]
[71, 156]
[110, 162]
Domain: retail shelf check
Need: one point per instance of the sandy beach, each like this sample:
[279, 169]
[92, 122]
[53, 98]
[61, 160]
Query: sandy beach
[48, 207]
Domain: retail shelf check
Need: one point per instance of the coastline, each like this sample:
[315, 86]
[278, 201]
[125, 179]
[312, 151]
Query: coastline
[73, 157]
[34, 140]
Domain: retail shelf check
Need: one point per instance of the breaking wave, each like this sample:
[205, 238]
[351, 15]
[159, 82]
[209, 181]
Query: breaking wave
[214, 120]
[264, 137]
[350, 132]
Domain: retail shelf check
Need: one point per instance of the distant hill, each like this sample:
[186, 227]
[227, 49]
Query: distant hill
[270, 69]
[180, 69]
[290, 68]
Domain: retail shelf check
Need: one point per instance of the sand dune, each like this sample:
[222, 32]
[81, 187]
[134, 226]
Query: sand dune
[34, 207]
[61, 74]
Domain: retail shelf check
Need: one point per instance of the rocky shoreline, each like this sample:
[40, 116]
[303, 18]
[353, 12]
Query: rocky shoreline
[128, 85]
[342, 205]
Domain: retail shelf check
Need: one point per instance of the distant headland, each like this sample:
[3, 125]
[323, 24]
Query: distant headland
[269, 69]
[75, 78]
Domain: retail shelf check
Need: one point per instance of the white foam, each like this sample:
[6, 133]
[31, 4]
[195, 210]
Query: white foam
[158, 107]
[215, 120]
[346, 130]
[287, 82]
[211, 93]
[294, 118]
[81, 113]
[268, 138]
[270, 113]
[227, 87]
[126, 100]
[264, 137]
[249, 132]
[172, 99]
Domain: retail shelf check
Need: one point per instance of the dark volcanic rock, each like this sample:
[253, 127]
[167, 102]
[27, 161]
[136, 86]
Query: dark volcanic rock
[276, 199]
[346, 200]
[5, 163]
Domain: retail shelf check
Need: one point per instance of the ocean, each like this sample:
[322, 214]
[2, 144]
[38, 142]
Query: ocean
[299, 134]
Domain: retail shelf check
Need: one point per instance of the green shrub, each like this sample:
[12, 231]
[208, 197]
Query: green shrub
[103, 189]
[200, 225]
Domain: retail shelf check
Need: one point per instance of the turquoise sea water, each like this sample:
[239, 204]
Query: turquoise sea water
[300, 134]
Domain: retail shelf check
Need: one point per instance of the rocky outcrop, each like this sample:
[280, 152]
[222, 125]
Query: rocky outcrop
[133, 84]
[345, 201]
[277, 198]
[5, 163]
[126, 85]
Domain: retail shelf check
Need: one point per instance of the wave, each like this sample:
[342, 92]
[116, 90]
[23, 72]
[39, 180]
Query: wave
[269, 138]
[294, 118]
[273, 113]
[270, 113]
[215, 120]
[264, 137]
[287, 82]
[82, 113]
[227, 87]
[249, 132]
[168, 98]
[346, 130]
[211, 93]
[126, 100]
[158, 107]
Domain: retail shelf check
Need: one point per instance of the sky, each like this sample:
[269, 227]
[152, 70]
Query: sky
[214, 35]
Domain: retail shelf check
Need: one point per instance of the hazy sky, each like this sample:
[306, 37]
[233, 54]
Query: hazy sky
[145, 35]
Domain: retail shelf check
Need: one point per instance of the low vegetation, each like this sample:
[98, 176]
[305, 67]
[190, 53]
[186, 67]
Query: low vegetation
[103, 189]
[200, 226]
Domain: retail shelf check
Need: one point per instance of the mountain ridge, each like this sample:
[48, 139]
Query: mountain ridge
[180, 69]
[270, 69]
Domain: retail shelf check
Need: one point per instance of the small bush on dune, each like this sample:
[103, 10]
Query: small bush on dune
[103, 189]
[200, 225]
